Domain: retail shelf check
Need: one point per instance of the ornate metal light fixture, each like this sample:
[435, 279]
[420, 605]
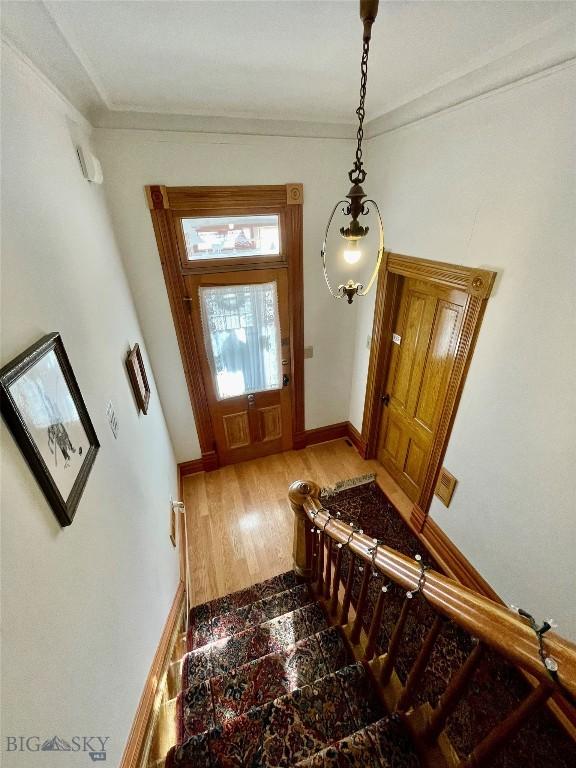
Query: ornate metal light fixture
[356, 206]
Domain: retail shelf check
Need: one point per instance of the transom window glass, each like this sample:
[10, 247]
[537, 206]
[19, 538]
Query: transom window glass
[231, 237]
[242, 338]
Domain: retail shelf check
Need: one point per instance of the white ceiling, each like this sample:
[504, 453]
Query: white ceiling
[271, 59]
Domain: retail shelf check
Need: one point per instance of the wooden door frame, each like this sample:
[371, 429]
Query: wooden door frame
[167, 205]
[477, 284]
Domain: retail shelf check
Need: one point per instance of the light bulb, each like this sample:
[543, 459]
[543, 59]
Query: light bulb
[352, 255]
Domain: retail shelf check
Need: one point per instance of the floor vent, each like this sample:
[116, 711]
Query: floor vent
[445, 486]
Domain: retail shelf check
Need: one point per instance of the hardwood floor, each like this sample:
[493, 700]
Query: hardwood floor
[238, 518]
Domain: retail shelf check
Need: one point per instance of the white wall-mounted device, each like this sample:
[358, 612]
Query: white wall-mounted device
[91, 168]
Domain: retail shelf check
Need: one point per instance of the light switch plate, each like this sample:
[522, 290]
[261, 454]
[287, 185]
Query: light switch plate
[112, 419]
[368, 342]
[308, 352]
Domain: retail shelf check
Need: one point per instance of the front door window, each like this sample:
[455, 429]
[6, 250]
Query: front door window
[242, 338]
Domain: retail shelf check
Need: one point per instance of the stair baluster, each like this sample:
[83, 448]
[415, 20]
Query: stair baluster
[320, 575]
[328, 576]
[394, 644]
[314, 574]
[375, 625]
[336, 580]
[420, 664]
[452, 694]
[361, 605]
[505, 730]
[348, 592]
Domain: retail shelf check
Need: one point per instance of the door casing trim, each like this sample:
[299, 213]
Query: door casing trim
[167, 204]
[477, 284]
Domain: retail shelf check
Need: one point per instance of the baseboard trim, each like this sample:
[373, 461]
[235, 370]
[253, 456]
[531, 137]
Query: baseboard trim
[356, 439]
[418, 519]
[190, 467]
[140, 731]
[326, 434]
[207, 463]
[339, 431]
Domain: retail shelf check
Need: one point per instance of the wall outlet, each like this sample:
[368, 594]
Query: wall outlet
[112, 420]
[308, 352]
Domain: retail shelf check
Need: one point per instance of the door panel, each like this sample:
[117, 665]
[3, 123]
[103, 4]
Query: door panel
[415, 307]
[240, 322]
[236, 429]
[426, 331]
[437, 365]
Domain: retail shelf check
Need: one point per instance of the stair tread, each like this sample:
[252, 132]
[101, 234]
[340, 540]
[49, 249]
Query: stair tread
[259, 681]
[288, 729]
[383, 744]
[204, 612]
[221, 656]
[235, 621]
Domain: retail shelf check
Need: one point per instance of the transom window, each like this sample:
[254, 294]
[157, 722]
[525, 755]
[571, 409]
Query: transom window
[231, 237]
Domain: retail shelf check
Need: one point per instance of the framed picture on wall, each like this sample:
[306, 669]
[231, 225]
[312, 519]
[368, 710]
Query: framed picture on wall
[138, 378]
[43, 408]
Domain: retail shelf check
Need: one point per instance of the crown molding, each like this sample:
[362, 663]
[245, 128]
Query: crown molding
[541, 51]
[151, 121]
[56, 18]
[548, 49]
[30, 71]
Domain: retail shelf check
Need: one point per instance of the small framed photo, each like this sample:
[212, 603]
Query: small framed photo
[138, 378]
[42, 406]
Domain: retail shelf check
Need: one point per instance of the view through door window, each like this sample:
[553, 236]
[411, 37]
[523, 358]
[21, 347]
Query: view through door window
[231, 237]
[242, 337]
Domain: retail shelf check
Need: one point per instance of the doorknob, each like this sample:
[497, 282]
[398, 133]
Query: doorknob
[285, 380]
[386, 399]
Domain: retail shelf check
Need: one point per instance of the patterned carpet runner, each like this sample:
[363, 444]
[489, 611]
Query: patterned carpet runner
[267, 682]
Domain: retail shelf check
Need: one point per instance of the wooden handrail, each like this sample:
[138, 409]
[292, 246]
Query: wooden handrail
[490, 622]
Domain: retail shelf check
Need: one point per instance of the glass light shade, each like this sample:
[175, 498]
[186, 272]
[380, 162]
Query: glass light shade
[352, 253]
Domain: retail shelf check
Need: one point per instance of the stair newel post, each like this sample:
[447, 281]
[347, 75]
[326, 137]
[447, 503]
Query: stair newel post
[394, 644]
[484, 752]
[298, 493]
[452, 694]
[361, 605]
[419, 665]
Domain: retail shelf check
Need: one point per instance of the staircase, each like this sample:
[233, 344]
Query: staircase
[364, 659]
[267, 681]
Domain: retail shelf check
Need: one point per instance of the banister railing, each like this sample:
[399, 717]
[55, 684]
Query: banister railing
[317, 536]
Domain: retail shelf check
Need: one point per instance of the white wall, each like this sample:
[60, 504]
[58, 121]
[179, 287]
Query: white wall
[492, 184]
[84, 606]
[132, 159]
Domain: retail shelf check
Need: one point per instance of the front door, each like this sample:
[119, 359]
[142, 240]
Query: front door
[425, 339]
[241, 324]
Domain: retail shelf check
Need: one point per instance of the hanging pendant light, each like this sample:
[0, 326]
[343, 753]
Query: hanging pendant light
[355, 205]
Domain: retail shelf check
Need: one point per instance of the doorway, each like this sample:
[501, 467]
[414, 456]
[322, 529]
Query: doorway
[242, 320]
[427, 319]
[232, 262]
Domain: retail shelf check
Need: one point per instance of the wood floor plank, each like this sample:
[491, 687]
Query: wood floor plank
[238, 517]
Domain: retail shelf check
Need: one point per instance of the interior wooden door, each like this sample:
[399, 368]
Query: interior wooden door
[241, 325]
[426, 332]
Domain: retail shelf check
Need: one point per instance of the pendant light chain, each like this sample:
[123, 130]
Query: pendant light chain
[354, 205]
[357, 173]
